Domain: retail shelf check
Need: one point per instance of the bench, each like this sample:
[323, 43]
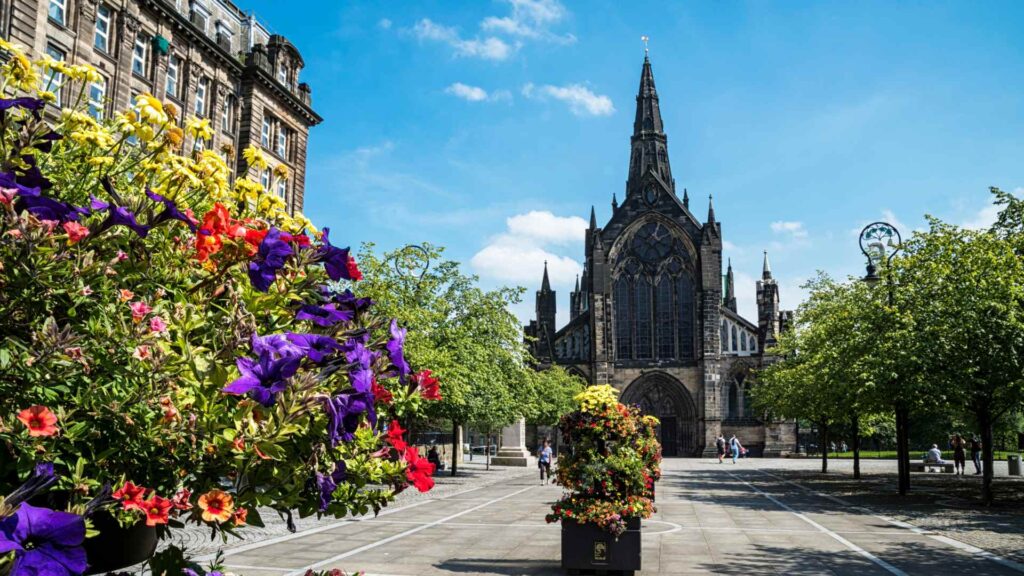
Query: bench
[947, 467]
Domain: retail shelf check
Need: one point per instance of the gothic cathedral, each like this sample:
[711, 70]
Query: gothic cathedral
[654, 316]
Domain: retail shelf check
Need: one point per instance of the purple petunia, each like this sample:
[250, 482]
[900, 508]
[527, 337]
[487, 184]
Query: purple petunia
[263, 379]
[343, 412]
[348, 301]
[326, 484]
[317, 347]
[116, 216]
[335, 259]
[270, 257]
[395, 350]
[170, 211]
[326, 315]
[32, 104]
[44, 542]
[276, 346]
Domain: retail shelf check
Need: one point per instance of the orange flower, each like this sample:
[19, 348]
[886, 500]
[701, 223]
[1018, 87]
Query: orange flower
[217, 506]
[39, 420]
[156, 509]
[240, 515]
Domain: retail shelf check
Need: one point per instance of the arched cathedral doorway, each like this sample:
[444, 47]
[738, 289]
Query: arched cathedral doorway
[666, 398]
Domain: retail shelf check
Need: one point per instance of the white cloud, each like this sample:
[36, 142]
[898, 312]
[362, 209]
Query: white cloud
[544, 227]
[794, 229]
[984, 218]
[466, 92]
[581, 100]
[489, 48]
[384, 24]
[530, 19]
[518, 255]
[732, 248]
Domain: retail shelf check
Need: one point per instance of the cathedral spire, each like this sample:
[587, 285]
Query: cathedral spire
[593, 218]
[545, 285]
[766, 271]
[686, 198]
[730, 288]
[711, 211]
[649, 142]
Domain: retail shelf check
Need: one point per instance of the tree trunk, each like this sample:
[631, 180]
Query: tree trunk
[985, 421]
[487, 447]
[824, 447]
[455, 447]
[856, 446]
[903, 449]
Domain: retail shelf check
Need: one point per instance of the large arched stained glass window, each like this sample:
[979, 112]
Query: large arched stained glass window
[734, 339]
[725, 336]
[666, 318]
[644, 315]
[685, 310]
[623, 323]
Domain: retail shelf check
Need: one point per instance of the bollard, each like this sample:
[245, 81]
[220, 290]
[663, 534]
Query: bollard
[1013, 464]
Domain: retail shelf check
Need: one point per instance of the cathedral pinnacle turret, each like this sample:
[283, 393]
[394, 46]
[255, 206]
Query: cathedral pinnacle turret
[593, 218]
[730, 288]
[545, 284]
[711, 210]
[766, 270]
[649, 155]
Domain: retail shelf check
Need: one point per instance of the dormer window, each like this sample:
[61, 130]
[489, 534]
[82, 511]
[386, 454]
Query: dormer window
[282, 74]
[225, 35]
[199, 15]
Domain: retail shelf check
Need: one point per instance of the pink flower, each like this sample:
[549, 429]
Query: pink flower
[14, 232]
[125, 295]
[48, 226]
[139, 310]
[76, 232]
[121, 256]
[7, 196]
[157, 325]
[142, 353]
[85, 291]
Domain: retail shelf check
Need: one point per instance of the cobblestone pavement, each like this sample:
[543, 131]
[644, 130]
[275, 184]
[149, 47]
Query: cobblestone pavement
[760, 516]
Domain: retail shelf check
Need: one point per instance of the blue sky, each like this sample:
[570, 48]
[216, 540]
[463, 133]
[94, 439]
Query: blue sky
[490, 127]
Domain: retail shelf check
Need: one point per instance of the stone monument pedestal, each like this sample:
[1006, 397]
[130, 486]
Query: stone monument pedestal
[513, 450]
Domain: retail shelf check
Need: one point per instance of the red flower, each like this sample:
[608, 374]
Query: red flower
[394, 436]
[76, 232]
[156, 509]
[131, 496]
[240, 515]
[39, 420]
[418, 470]
[254, 237]
[353, 269]
[428, 385]
[381, 394]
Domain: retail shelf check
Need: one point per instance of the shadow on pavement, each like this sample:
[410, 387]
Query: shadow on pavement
[507, 566]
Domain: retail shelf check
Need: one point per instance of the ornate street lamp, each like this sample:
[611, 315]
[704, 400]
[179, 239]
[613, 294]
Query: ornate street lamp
[880, 241]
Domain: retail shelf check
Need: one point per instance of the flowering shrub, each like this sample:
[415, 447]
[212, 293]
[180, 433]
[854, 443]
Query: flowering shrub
[612, 463]
[174, 346]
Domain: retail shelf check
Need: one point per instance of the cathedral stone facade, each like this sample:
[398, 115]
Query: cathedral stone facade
[654, 316]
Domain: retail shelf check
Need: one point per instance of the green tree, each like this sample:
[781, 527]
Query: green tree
[966, 293]
[467, 334]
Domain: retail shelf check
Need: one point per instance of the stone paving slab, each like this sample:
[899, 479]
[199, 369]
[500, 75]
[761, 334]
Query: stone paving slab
[711, 519]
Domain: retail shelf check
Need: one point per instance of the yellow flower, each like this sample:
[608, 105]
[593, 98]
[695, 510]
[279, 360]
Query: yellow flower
[150, 109]
[199, 128]
[19, 71]
[254, 157]
[101, 161]
[175, 136]
[47, 96]
[281, 171]
[171, 109]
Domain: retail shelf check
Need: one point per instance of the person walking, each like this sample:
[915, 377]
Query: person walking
[544, 460]
[976, 454]
[720, 446]
[734, 443]
[959, 454]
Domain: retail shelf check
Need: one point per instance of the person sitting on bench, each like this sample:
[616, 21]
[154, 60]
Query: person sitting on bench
[434, 458]
[934, 456]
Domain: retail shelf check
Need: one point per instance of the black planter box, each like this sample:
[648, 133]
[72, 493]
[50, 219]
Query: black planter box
[116, 547]
[588, 548]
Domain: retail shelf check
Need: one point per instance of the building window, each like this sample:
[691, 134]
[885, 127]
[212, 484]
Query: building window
[686, 311]
[227, 119]
[101, 39]
[281, 143]
[54, 79]
[140, 55]
[265, 134]
[282, 74]
[58, 11]
[725, 337]
[97, 95]
[643, 318]
[666, 320]
[265, 179]
[200, 16]
[623, 325]
[734, 343]
[743, 341]
[201, 90]
[171, 85]
[734, 401]
[282, 188]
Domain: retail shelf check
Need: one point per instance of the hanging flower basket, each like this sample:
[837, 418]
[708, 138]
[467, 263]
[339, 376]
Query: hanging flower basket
[116, 547]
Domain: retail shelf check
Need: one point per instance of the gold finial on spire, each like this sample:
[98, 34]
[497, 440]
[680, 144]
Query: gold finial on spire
[645, 38]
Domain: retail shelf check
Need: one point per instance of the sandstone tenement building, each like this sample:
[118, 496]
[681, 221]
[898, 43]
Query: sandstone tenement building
[654, 316]
[208, 57]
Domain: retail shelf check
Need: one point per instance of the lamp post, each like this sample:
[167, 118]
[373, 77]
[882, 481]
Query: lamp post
[880, 242]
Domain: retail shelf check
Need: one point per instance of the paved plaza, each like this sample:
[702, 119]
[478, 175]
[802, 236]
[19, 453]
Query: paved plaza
[749, 518]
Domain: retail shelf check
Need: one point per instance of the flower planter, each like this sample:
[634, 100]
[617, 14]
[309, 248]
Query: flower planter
[116, 547]
[586, 547]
